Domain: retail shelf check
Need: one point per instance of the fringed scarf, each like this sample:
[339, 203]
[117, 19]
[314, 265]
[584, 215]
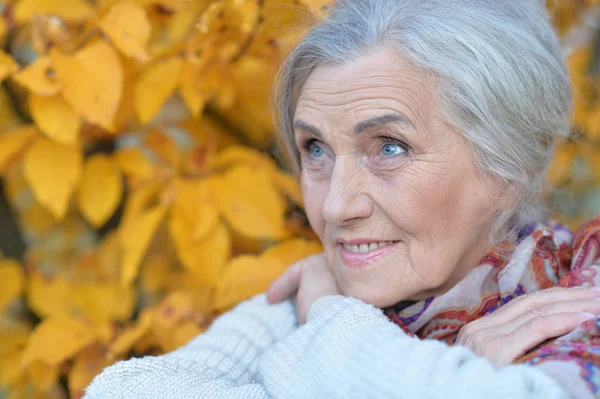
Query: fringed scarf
[544, 256]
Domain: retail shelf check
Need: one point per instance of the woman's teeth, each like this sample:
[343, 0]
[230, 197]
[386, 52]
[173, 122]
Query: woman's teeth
[366, 247]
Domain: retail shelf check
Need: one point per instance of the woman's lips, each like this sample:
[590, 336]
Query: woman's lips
[360, 259]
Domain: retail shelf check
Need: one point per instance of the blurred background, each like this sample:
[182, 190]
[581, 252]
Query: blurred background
[140, 191]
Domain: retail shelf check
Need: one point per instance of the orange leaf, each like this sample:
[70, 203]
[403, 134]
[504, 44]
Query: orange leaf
[127, 25]
[55, 118]
[12, 144]
[7, 65]
[135, 245]
[12, 280]
[244, 277]
[92, 82]
[67, 10]
[38, 77]
[101, 189]
[155, 86]
[250, 203]
[53, 171]
[56, 339]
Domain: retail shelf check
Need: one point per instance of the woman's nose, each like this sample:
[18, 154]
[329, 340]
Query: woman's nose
[348, 197]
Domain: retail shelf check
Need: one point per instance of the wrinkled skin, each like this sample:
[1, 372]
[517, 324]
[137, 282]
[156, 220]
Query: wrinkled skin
[412, 179]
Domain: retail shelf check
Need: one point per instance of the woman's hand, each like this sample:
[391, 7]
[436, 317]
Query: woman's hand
[527, 321]
[309, 278]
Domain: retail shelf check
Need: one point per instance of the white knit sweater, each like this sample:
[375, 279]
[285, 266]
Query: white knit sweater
[347, 349]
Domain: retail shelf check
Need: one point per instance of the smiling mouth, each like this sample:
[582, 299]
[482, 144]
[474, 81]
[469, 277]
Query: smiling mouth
[364, 248]
[359, 255]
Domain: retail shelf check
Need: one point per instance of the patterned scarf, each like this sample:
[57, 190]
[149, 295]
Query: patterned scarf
[544, 256]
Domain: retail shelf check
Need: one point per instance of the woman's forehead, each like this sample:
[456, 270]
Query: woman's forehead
[378, 85]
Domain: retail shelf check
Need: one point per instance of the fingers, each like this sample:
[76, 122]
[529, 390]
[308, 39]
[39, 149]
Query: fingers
[536, 331]
[286, 285]
[535, 301]
[568, 307]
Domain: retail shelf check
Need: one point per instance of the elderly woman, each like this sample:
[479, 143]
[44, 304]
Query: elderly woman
[421, 131]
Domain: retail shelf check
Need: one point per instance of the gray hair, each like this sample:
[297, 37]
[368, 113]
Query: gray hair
[499, 71]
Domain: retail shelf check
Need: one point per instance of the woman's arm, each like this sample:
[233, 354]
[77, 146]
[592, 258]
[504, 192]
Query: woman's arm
[349, 349]
[220, 363]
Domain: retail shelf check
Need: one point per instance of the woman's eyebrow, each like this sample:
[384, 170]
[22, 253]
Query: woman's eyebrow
[396, 117]
[360, 127]
[299, 124]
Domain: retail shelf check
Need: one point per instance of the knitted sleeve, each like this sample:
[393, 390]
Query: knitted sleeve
[349, 349]
[221, 363]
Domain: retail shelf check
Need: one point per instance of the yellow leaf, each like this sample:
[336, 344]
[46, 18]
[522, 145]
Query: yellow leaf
[67, 10]
[163, 147]
[9, 118]
[319, 8]
[135, 245]
[48, 296]
[239, 155]
[288, 185]
[192, 211]
[103, 302]
[55, 118]
[250, 203]
[561, 166]
[293, 250]
[127, 25]
[134, 164]
[244, 277]
[173, 309]
[7, 65]
[211, 16]
[43, 376]
[191, 89]
[12, 280]
[249, 11]
[13, 144]
[53, 171]
[56, 339]
[137, 202]
[175, 320]
[3, 29]
[206, 257]
[38, 77]
[86, 366]
[101, 189]
[92, 82]
[13, 338]
[131, 335]
[155, 86]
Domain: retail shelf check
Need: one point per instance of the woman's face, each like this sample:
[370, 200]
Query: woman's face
[390, 189]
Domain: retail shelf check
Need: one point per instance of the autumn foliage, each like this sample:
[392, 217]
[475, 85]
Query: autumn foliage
[136, 147]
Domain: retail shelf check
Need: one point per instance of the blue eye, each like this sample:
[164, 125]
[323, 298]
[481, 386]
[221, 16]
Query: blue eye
[390, 150]
[316, 151]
